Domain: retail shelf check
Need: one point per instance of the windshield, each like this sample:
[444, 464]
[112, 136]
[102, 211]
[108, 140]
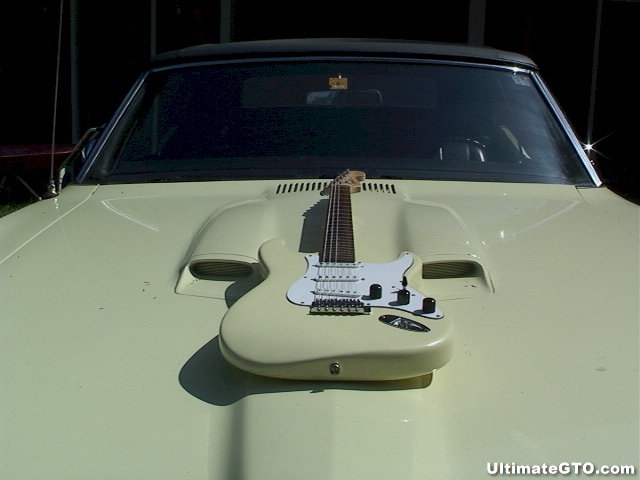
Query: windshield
[311, 119]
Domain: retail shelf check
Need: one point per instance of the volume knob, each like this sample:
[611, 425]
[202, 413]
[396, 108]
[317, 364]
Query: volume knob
[403, 297]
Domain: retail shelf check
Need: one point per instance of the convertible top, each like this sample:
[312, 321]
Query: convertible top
[343, 47]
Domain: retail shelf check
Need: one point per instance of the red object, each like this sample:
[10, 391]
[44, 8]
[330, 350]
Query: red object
[31, 160]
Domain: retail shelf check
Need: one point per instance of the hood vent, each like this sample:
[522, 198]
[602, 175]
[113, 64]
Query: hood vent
[455, 278]
[379, 187]
[300, 187]
[451, 269]
[222, 270]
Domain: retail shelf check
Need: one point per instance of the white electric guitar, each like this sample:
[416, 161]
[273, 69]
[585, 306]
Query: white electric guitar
[336, 284]
[333, 322]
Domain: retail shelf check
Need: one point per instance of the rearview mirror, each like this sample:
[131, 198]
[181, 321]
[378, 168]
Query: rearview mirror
[369, 97]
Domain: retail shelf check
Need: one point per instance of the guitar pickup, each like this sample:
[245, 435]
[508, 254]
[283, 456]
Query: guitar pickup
[338, 278]
[329, 265]
[338, 294]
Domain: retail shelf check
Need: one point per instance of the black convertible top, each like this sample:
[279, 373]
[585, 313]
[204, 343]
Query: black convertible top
[342, 47]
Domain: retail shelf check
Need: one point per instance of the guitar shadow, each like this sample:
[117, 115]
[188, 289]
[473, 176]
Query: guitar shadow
[209, 377]
[312, 235]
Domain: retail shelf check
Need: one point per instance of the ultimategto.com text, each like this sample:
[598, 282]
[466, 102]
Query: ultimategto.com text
[564, 468]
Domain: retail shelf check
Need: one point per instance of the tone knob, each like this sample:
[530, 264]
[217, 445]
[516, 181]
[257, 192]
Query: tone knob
[375, 291]
[403, 297]
[428, 305]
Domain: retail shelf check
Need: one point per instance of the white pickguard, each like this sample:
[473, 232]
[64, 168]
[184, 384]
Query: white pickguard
[352, 281]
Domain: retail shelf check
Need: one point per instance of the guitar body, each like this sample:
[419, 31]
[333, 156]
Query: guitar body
[266, 333]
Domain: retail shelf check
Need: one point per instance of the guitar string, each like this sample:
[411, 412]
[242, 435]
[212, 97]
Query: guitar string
[325, 250]
[330, 250]
[337, 271]
[326, 247]
[335, 225]
[340, 285]
[335, 287]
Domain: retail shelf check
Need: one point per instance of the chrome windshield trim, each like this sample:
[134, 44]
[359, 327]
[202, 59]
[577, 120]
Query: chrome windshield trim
[344, 58]
[560, 115]
[110, 126]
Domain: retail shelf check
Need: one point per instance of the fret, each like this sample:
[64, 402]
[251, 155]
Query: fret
[338, 246]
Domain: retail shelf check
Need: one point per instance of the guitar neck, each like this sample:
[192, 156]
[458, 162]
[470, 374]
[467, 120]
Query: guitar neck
[338, 246]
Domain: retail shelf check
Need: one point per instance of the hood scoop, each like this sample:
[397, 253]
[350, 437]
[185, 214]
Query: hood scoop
[222, 276]
[302, 305]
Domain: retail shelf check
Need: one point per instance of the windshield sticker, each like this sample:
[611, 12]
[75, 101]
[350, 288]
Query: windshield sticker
[521, 80]
[338, 83]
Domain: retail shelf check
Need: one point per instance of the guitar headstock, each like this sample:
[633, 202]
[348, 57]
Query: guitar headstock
[351, 178]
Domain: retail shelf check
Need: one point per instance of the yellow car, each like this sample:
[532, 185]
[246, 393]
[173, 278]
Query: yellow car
[324, 259]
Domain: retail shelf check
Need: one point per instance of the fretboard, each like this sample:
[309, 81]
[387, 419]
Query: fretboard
[338, 244]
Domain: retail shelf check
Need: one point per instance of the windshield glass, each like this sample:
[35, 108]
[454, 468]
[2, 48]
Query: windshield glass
[311, 119]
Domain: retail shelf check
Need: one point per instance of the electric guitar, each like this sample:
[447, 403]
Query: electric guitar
[333, 322]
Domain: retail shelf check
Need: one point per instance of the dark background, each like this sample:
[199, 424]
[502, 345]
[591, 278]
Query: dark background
[114, 39]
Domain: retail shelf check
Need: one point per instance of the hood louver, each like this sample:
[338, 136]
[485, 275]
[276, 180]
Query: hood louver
[450, 269]
[300, 187]
[220, 270]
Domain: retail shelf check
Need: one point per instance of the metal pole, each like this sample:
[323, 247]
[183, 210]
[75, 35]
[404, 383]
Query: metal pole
[51, 189]
[477, 13]
[225, 21]
[73, 52]
[154, 28]
[152, 50]
[594, 77]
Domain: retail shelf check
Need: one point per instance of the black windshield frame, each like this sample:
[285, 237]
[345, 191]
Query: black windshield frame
[307, 119]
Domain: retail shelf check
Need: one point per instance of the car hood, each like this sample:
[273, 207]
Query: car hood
[111, 362]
